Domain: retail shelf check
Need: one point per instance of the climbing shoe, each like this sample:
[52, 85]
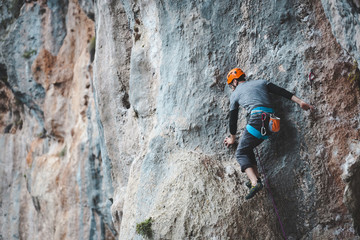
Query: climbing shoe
[248, 184]
[254, 189]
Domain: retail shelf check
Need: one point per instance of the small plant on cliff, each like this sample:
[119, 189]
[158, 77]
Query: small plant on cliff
[144, 228]
[354, 75]
[41, 134]
[19, 123]
[18, 102]
[27, 54]
[62, 153]
[92, 45]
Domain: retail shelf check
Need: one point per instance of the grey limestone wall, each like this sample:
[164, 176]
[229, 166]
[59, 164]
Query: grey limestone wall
[173, 124]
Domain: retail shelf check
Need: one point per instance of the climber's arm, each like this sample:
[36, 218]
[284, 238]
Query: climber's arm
[233, 121]
[301, 103]
[233, 127]
[285, 93]
[279, 91]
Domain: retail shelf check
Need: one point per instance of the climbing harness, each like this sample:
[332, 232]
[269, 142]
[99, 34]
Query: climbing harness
[261, 110]
[274, 122]
[269, 193]
[256, 133]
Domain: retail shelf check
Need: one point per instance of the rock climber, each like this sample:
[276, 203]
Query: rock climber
[255, 98]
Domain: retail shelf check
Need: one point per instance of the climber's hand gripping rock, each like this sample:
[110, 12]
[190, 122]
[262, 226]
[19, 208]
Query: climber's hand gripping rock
[229, 140]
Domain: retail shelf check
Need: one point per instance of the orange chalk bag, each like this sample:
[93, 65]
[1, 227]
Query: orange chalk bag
[274, 123]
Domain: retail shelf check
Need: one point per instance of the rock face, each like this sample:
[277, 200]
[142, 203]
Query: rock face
[54, 179]
[90, 149]
[170, 131]
[344, 19]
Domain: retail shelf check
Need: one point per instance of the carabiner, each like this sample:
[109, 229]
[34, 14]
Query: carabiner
[263, 117]
[263, 131]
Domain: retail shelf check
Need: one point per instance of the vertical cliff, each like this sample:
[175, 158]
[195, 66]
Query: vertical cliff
[112, 112]
[54, 178]
[171, 106]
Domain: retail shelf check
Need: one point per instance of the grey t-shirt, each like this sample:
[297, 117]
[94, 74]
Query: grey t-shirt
[250, 95]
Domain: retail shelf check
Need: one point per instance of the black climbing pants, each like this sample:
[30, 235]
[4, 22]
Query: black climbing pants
[245, 150]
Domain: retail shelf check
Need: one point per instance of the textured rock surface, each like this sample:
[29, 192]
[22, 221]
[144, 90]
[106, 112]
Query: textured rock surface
[88, 150]
[344, 17]
[54, 180]
[172, 128]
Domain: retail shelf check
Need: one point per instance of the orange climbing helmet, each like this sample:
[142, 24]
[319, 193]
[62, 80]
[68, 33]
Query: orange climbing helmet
[234, 74]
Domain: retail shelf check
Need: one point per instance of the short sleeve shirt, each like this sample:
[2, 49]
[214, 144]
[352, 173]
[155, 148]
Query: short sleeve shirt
[250, 94]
